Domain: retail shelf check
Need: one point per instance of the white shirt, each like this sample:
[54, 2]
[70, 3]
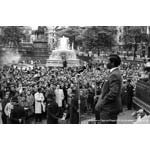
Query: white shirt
[112, 69]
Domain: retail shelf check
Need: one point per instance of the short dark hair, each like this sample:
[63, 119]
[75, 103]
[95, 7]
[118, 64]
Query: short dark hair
[115, 59]
[129, 80]
[39, 89]
[15, 99]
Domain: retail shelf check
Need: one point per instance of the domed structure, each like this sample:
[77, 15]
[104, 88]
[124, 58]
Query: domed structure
[63, 52]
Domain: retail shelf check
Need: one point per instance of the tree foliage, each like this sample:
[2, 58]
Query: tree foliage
[72, 32]
[99, 37]
[134, 35]
[91, 38]
[12, 35]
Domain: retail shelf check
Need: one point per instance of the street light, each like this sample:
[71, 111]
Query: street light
[78, 91]
[148, 33]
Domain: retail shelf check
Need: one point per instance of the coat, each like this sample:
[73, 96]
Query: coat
[52, 112]
[130, 91]
[30, 104]
[110, 98]
[17, 113]
[39, 98]
[74, 115]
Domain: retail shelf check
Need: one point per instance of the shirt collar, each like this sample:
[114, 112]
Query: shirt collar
[111, 70]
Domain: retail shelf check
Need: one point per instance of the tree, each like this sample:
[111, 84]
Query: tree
[12, 35]
[99, 37]
[134, 35]
[90, 38]
[71, 32]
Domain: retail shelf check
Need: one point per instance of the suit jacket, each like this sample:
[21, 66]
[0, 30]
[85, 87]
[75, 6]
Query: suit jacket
[110, 98]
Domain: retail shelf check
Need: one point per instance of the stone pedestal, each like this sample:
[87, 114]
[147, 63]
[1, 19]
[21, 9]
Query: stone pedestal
[40, 51]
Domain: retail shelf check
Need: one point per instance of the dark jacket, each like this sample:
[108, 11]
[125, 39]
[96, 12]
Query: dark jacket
[110, 99]
[52, 112]
[130, 91]
[16, 114]
[124, 96]
[74, 115]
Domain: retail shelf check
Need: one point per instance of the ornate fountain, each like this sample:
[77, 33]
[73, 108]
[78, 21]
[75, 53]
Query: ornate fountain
[63, 52]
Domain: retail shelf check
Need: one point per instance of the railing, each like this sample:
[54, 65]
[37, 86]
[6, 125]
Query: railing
[141, 104]
[142, 95]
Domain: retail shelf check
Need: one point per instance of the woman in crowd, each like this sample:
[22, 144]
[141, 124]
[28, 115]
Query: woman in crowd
[39, 99]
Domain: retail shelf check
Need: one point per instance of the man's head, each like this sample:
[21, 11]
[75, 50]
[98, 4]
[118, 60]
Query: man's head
[28, 92]
[113, 61]
[58, 86]
[7, 94]
[39, 90]
[12, 88]
[128, 81]
[50, 97]
[15, 100]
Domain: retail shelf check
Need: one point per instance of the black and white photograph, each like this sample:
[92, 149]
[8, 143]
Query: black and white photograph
[75, 74]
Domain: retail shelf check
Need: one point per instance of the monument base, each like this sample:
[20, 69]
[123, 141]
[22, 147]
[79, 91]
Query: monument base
[59, 63]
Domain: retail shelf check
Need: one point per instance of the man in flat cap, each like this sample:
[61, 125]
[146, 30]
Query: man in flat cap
[109, 104]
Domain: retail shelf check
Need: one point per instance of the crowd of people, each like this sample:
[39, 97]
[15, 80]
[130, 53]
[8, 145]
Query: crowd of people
[35, 94]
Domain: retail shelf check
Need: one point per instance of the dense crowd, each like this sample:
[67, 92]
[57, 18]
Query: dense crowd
[39, 93]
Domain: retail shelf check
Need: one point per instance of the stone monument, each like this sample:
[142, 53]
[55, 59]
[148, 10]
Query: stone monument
[63, 52]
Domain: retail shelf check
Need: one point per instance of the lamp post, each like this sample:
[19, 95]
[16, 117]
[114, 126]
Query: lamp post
[78, 92]
[79, 102]
[148, 40]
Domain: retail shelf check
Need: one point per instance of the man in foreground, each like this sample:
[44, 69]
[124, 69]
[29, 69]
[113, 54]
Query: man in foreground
[109, 104]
